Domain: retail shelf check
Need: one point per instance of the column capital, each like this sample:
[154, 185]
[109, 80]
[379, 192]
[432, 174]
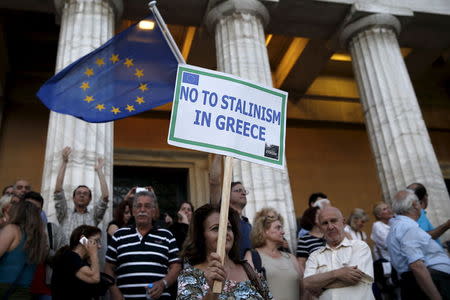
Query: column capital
[228, 7]
[370, 21]
[117, 5]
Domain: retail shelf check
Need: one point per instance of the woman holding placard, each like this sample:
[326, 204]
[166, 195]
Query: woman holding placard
[239, 279]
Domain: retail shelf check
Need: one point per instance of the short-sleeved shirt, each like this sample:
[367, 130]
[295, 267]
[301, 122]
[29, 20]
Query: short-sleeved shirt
[141, 260]
[307, 244]
[379, 234]
[425, 224]
[347, 253]
[65, 284]
[407, 243]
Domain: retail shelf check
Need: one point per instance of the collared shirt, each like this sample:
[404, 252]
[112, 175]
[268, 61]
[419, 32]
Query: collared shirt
[244, 240]
[425, 224]
[379, 234]
[141, 260]
[348, 253]
[407, 243]
[71, 220]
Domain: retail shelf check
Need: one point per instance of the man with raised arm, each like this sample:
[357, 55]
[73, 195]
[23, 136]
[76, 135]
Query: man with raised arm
[82, 195]
[343, 268]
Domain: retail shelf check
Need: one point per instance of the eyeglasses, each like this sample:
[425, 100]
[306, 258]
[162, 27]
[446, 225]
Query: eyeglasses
[241, 191]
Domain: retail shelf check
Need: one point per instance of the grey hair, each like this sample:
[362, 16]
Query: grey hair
[357, 214]
[377, 209]
[403, 201]
[146, 194]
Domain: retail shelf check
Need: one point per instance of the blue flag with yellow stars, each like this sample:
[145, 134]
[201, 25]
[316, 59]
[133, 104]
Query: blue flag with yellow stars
[131, 73]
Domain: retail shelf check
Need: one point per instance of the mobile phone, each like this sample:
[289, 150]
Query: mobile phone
[141, 189]
[83, 240]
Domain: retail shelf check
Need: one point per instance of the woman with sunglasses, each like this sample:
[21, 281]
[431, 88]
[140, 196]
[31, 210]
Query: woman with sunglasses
[281, 269]
[76, 269]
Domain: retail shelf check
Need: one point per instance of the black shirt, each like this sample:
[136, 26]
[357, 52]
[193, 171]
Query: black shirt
[65, 284]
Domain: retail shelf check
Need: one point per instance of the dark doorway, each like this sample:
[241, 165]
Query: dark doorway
[170, 184]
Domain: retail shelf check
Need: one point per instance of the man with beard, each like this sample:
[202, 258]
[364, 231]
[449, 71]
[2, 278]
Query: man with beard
[142, 254]
[343, 268]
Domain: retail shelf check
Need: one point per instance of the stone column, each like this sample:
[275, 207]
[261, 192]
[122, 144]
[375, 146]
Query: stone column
[240, 47]
[85, 25]
[397, 132]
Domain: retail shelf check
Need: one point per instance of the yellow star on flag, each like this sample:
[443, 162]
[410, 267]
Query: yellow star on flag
[114, 58]
[130, 108]
[128, 62]
[99, 62]
[89, 72]
[140, 100]
[143, 87]
[89, 99]
[115, 110]
[139, 73]
[85, 86]
[100, 107]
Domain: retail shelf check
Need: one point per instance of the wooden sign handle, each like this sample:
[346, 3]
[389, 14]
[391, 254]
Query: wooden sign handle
[223, 222]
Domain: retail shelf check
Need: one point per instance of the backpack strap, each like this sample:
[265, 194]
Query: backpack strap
[257, 262]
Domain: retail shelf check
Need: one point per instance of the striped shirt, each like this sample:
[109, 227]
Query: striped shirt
[307, 244]
[140, 260]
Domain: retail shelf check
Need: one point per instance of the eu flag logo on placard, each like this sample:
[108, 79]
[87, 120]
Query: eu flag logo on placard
[190, 78]
[131, 73]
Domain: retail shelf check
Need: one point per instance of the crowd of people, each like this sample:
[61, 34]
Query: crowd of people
[149, 259]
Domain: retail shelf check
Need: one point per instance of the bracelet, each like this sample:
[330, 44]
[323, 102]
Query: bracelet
[166, 285]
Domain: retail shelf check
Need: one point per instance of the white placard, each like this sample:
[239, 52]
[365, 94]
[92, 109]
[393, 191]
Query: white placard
[224, 114]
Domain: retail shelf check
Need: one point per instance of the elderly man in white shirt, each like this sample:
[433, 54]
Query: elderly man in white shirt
[343, 268]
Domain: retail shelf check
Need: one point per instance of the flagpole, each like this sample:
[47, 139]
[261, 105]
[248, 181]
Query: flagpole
[166, 32]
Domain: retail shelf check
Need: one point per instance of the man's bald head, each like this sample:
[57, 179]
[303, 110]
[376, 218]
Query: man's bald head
[331, 223]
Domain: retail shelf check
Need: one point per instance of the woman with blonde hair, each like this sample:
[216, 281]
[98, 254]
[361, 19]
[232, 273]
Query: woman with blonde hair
[281, 269]
[23, 245]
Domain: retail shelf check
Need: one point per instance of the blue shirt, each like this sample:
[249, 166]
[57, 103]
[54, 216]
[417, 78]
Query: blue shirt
[244, 241]
[408, 243]
[425, 224]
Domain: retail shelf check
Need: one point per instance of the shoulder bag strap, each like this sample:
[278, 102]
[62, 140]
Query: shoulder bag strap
[256, 281]
[257, 262]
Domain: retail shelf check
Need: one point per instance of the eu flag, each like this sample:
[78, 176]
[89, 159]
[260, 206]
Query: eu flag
[131, 73]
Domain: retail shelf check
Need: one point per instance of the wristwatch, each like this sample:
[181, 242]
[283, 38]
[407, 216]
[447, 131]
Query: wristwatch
[166, 285]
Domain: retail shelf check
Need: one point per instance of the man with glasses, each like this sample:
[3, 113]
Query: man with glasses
[142, 254]
[238, 200]
[80, 215]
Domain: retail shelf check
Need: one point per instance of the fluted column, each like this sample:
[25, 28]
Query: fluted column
[240, 50]
[85, 25]
[397, 132]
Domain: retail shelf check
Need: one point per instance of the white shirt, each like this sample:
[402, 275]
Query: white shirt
[360, 235]
[379, 234]
[347, 253]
